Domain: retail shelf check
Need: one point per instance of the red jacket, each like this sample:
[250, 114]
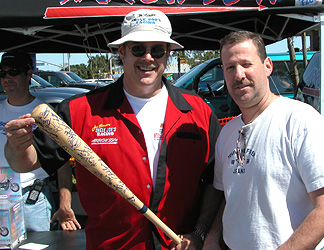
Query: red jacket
[105, 121]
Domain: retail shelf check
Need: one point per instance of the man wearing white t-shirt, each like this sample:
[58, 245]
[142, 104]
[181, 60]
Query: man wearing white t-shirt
[268, 160]
[16, 72]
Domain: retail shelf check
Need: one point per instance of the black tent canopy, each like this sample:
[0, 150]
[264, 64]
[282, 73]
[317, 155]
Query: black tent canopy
[67, 26]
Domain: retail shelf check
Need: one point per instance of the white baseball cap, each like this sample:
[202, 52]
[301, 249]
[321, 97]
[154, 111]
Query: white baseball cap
[146, 25]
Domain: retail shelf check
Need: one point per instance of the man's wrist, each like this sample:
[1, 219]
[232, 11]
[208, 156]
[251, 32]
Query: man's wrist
[201, 233]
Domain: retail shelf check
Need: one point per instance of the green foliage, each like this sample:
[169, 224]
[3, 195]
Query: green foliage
[196, 57]
[98, 65]
[81, 70]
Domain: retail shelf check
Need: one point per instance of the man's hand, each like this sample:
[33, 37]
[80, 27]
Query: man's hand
[19, 151]
[67, 219]
[19, 132]
[65, 214]
[190, 241]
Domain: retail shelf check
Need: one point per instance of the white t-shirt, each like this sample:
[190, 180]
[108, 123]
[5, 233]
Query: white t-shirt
[7, 113]
[267, 197]
[150, 113]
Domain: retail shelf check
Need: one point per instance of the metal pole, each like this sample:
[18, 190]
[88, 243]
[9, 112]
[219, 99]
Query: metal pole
[321, 34]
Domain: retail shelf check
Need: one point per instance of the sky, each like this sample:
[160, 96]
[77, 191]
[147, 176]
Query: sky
[54, 62]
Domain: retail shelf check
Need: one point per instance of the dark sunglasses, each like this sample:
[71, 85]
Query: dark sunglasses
[11, 72]
[139, 50]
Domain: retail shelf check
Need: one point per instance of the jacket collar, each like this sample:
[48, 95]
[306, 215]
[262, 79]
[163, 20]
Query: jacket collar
[116, 95]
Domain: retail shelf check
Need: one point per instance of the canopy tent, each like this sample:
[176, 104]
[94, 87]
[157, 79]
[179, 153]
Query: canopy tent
[67, 26]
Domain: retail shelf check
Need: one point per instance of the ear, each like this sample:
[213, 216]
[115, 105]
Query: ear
[29, 73]
[268, 66]
[168, 51]
[121, 50]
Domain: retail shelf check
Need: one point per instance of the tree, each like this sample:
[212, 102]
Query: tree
[98, 65]
[295, 78]
[195, 57]
[81, 70]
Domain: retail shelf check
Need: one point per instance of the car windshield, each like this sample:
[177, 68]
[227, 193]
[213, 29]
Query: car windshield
[311, 76]
[66, 78]
[186, 80]
[75, 77]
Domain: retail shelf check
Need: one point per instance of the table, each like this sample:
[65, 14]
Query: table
[58, 240]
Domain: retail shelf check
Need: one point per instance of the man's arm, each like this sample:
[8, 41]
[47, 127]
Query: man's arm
[311, 231]
[215, 235]
[210, 205]
[19, 151]
[65, 214]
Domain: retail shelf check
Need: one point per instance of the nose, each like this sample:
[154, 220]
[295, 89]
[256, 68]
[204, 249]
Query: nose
[239, 73]
[147, 54]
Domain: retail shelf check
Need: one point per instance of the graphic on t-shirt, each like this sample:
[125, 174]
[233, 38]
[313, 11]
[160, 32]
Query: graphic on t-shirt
[158, 135]
[239, 167]
[2, 127]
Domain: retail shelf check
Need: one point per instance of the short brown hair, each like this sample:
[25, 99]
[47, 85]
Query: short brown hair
[241, 36]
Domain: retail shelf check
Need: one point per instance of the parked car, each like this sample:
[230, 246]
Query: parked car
[48, 93]
[74, 76]
[41, 82]
[79, 80]
[102, 80]
[60, 79]
[308, 89]
[207, 80]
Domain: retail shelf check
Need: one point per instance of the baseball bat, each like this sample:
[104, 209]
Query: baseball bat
[64, 136]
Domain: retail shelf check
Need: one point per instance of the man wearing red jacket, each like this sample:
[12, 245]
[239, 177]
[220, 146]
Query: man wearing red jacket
[158, 139]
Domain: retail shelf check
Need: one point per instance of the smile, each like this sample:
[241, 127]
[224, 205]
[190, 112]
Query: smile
[146, 69]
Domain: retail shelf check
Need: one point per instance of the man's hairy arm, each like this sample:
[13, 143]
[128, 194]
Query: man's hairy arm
[65, 215]
[311, 231]
[19, 150]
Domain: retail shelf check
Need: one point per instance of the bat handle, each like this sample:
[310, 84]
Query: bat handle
[157, 222]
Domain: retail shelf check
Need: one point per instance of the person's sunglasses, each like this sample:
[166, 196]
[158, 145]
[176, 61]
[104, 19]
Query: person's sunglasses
[240, 151]
[11, 72]
[157, 51]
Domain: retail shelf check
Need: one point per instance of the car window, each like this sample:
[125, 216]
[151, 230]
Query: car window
[211, 81]
[215, 74]
[75, 77]
[311, 76]
[42, 81]
[66, 77]
[53, 79]
[308, 90]
[281, 79]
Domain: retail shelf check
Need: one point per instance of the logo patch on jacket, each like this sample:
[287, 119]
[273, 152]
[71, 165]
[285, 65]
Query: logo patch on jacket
[104, 134]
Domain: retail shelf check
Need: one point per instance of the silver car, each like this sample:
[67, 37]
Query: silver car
[61, 79]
